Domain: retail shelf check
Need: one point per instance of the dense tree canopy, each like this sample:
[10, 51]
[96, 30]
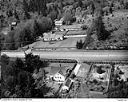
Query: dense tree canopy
[26, 33]
[17, 80]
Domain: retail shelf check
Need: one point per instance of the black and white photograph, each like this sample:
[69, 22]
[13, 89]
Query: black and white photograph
[64, 49]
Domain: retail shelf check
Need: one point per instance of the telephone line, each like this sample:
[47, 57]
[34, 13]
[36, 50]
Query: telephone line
[14, 42]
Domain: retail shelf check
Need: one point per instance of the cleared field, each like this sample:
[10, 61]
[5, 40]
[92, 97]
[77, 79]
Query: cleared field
[70, 42]
[99, 78]
[83, 71]
[79, 32]
[67, 65]
[74, 26]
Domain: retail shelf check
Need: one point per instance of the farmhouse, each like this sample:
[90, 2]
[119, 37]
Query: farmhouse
[59, 22]
[58, 74]
[52, 36]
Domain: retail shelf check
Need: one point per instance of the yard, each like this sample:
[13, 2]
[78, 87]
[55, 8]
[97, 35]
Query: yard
[53, 84]
[118, 87]
[78, 32]
[117, 28]
[83, 71]
[98, 79]
[67, 43]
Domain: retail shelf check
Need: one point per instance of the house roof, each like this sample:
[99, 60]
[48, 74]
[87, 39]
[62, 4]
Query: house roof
[68, 82]
[52, 36]
[61, 70]
[74, 26]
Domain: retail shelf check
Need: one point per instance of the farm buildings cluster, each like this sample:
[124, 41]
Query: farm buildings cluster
[83, 80]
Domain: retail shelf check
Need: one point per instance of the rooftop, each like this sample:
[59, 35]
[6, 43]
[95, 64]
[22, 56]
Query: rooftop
[52, 36]
[68, 82]
[74, 26]
[61, 70]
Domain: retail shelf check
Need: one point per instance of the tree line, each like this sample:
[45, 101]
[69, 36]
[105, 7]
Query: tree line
[25, 33]
[17, 79]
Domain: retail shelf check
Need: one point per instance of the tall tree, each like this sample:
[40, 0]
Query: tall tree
[41, 7]
[68, 17]
[80, 3]
[25, 6]
[33, 62]
[9, 41]
[102, 33]
[35, 30]
[79, 44]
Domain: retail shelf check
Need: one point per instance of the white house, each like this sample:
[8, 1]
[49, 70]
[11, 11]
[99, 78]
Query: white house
[52, 36]
[59, 22]
[58, 74]
[13, 23]
[59, 77]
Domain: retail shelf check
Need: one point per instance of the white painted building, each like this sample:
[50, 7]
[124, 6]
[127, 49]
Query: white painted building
[52, 37]
[59, 77]
[13, 23]
[59, 22]
[58, 74]
[77, 69]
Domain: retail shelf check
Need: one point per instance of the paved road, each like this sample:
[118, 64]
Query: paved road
[97, 55]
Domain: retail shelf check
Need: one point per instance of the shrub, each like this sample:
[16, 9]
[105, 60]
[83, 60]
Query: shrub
[79, 44]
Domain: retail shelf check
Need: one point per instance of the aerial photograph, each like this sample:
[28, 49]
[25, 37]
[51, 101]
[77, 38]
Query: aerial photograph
[64, 49]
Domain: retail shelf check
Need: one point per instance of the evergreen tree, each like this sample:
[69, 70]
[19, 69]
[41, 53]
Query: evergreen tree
[25, 6]
[35, 30]
[80, 3]
[41, 7]
[93, 8]
[102, 33]
[32, 6]
[10, 41]
[79, 44]
[110, 10]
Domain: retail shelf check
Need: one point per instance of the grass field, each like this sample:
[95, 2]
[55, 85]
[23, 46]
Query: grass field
[70, 42]
[67, 65]
[79, 32]
[117, 27]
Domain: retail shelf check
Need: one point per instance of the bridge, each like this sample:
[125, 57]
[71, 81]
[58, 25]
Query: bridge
[79, 55]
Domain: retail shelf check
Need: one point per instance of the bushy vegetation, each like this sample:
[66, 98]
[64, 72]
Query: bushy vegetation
[17, 80]
[35, 17]
[117, 89]
[25, 33]
[107, 29]
[79, 44]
